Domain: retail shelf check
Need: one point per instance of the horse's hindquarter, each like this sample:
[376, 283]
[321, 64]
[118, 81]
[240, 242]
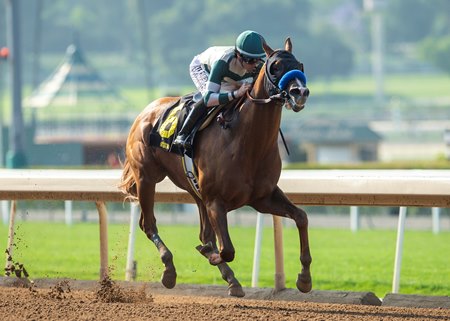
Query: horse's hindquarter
[147, 118]
[156, 108]
[142, 157]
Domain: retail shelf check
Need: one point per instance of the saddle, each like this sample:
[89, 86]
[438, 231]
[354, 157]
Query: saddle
[169, 124]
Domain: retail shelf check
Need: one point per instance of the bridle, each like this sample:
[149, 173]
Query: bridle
[276, 88]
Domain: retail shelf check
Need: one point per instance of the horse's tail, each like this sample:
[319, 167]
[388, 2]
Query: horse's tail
[127, 183]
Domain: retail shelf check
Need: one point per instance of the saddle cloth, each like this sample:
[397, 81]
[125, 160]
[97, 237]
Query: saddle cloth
[169, 124]
[171, 121]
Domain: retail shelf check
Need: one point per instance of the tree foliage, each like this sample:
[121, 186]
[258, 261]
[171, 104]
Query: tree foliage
[326, 34]
[330, 55]
[437, 51]
[414, 20]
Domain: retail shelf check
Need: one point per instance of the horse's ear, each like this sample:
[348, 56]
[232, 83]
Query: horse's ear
[288, 45]
[267, 49]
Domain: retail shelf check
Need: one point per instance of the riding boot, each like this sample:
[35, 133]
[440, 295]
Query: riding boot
[197, 112]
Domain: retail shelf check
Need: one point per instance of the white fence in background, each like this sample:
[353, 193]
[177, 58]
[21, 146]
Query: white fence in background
[399, 188]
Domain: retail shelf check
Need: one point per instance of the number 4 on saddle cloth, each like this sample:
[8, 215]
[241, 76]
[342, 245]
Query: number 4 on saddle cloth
[170, 123]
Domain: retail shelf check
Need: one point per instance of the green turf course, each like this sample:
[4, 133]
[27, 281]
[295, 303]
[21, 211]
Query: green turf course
[342, 260]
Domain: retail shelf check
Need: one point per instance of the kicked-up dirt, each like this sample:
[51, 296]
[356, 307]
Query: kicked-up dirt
[107, 300]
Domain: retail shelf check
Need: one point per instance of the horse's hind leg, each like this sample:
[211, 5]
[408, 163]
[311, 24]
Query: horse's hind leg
[208, 239]
[278, 204]
[147, 222]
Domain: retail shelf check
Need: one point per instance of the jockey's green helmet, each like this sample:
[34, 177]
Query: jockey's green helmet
[249, 44]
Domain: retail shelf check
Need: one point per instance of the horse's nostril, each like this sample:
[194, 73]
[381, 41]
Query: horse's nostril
[295, 92]
[304, 92]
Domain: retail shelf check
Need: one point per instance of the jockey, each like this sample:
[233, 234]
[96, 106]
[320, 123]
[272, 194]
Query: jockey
[222, 74]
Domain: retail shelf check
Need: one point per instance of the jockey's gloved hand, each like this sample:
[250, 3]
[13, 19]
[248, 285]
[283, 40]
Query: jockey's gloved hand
[243, 89]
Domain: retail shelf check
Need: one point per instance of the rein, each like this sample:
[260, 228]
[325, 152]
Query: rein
[281, 96]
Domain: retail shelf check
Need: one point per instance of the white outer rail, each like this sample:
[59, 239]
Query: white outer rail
[425, 188]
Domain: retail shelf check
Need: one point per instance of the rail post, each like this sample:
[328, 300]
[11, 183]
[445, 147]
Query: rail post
[354, 218]
[257, 249]
[399, 249]
[280, 283]
[103, 222]
[129, 269]
[5, 210]
[9, 248]
[435, 213]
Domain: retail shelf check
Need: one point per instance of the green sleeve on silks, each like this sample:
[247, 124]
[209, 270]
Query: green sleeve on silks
[218, 72]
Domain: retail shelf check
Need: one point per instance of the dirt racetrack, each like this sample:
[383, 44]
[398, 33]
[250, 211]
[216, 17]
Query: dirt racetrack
[108, 300]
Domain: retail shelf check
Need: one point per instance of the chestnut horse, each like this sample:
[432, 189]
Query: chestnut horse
[237, 166]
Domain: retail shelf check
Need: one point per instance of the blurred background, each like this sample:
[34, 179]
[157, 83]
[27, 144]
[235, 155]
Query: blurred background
[378, 72]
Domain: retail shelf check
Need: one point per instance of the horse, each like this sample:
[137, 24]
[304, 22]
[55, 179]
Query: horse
[237, 166]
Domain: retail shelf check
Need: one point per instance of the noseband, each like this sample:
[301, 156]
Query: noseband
[276, 87]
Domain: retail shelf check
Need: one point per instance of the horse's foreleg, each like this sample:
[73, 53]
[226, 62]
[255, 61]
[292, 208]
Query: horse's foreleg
[278, 204]
[208, 239]
[218, 217]
[147, 222]
[234, 287]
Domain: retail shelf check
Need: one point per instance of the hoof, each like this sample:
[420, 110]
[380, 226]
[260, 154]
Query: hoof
[304, 283]
[236, 291]
[169, 278]
[205, 250]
